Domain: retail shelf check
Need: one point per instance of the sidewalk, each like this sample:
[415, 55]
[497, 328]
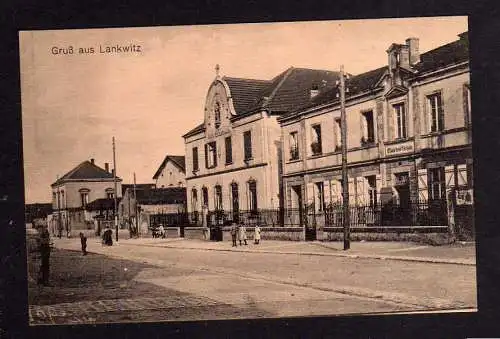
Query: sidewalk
[459, 254]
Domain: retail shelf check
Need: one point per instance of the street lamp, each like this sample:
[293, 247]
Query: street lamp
[115, 192]
[345, 183]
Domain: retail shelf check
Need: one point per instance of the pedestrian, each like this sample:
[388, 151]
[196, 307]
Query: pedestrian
[257, 234]
[233, 234]
[162, 231]
[243, 234]
[83, 240]
[44, 248]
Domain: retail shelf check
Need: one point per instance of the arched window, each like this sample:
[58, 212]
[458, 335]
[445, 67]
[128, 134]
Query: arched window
[109, 193]
[194, 200]
[204, 191]
[252, 195]
[84, 196]
[217, 114]
[218, 197]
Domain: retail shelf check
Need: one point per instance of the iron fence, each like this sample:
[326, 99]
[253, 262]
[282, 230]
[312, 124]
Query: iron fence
[424, 213]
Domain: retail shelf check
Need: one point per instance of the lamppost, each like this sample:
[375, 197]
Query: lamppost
[115, 192]
[345, 183]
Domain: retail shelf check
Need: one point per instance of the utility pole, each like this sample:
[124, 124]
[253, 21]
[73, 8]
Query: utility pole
[135, 210]
[115, 192]
[345, 182]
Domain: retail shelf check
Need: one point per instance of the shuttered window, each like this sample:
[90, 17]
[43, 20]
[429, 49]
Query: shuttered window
[229, 151]
[196, 165]
[247, 144]
[437, 183]
[211, 155]
[400, 120]
[436, 115]
[252, 195]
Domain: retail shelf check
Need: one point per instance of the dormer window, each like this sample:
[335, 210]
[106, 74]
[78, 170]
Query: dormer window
[217, 114]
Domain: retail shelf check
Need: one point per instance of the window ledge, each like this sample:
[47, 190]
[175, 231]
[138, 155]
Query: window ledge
[397, 141]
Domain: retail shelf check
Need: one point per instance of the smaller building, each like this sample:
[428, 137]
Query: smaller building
[165, 206]
[172, 172]
[100, 213]
[72, 192]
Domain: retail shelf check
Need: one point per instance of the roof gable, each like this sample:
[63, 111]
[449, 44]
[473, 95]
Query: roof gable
[178, 160]
[86, 171]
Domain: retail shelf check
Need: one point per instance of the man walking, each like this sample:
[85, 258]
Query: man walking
[43, 277]
[83, 240]
[233, 234]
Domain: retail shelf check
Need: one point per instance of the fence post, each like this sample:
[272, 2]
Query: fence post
[450, 208]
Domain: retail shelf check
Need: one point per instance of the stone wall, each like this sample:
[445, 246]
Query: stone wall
[429, 236]
[270, 233]
[173, 232]
[195, 233]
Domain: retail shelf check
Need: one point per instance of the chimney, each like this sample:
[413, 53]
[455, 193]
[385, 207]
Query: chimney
[113, 171]
[106, 167]
[412, 44]
[314, 91]
[92, 161]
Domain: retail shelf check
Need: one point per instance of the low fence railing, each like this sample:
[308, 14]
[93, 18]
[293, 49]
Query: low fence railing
[432, 213]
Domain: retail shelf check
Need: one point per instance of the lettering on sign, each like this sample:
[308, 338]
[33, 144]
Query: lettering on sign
[399, 149]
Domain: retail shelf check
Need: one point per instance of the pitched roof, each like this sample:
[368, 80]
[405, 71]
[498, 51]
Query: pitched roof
[198, 129]
[84, 171]
[137, 187]
[102, 204]
[178, 160]
[285, 91]
[356, 84]
[446, 55]
[245, 92]
[281, 94]
[161, 196]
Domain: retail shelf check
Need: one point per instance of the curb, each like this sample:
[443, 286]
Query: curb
[324, 254]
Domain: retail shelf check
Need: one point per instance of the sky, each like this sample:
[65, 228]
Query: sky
[73, 104]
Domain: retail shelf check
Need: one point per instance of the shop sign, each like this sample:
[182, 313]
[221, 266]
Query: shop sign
[464, 197]
[397, 149]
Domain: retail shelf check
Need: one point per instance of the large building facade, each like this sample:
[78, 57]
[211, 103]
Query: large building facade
[408, 137]
[233, 159]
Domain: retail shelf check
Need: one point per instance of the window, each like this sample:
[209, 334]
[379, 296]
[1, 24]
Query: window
[400, 120]
[294, 146]
[84, 196]
[468, 103]
[435, 109]
[194, 200]
[247, 142]
[218, 198]
[204, 191]
[110, 195]
[62, 199]
[217, 114]
[338, 134]
[229, 151]
[211, 155]
[368, 128]
[437, 183]
[195, 159]
[319, 197]
[316, 140]
[252, 195]
[372, 190]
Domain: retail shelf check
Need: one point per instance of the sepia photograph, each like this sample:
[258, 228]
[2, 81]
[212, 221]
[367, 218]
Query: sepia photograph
[248, 171]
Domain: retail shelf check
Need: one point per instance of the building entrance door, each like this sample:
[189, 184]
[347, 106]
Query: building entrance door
[402, 185]
[298, 207]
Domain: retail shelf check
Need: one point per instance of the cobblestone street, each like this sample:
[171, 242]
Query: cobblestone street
[177, 279]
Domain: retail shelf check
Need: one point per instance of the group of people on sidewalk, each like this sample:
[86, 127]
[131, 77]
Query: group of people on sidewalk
[240, 232]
